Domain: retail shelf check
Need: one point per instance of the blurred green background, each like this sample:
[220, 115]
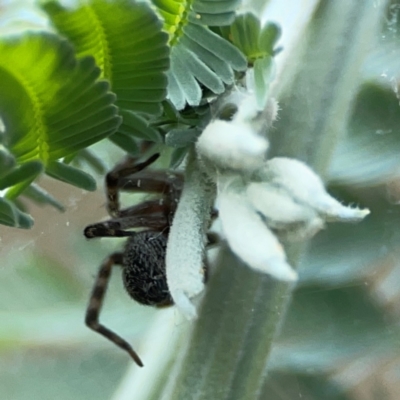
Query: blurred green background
[341, 336]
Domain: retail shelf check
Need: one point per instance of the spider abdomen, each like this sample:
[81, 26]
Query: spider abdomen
[144, 273]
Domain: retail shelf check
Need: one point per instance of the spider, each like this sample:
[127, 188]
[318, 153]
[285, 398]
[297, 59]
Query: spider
[143, 258]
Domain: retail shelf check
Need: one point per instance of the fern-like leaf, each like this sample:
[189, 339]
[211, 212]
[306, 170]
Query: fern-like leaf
[199, 57]
[257, 43]
[51, 104]
[10, 215]
[126, 40]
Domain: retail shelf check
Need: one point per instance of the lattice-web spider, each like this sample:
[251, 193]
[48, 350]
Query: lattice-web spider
[143, 258]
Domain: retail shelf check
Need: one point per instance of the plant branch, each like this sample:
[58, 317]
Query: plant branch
[243, 310]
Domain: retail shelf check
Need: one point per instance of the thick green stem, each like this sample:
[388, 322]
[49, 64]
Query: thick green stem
[237, 315]
[243, 310]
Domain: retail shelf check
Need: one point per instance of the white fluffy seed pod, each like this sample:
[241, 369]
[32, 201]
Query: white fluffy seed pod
[248, 236]
[305, 187]
[232, 146]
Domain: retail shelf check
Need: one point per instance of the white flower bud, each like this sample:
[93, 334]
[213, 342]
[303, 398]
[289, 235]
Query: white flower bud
[306, 188]
[292, 176]
[289, 220]
[240, 144]
[248, 236]
[257, 199]
[233, 146]
[276, 206]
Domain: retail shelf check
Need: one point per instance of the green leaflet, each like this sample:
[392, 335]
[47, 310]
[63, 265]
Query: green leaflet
[252, 39]
[198, 55]
[125, 142]
[202, 72]
[50, 103]
[225, 70]
[126, 40]
[257, 43]
[181, 137]
[217, 45]
[263, 75]
[176, 14]
[41, 196]
[186, 83]
[175, 93]
[7, 162]
[132, 128]
[190, 66]
[52, 106]
[90, 158]
[25, 172]
[212, 19]
[215, 7]
[135, 125]
[71, 175]
[178, 156]
[10, 215]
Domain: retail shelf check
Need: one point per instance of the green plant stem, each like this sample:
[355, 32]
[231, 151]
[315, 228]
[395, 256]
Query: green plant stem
[243, 310]
[237, 314]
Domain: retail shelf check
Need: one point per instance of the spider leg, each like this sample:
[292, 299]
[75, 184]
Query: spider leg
[144, 208]
[115, 227]
[129, 176]
[168, 185]
[124, 169]
[153, 181]
[96, 303]
[149, 214]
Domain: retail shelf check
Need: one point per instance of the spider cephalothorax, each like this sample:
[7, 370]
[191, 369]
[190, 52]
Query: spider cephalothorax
[143, 258]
